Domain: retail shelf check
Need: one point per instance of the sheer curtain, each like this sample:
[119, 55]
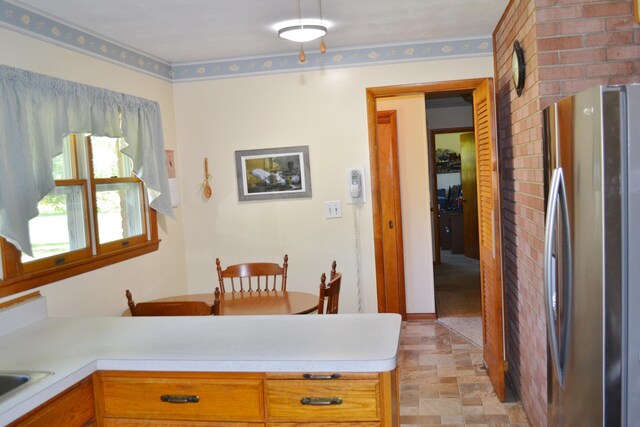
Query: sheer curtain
[38, 111]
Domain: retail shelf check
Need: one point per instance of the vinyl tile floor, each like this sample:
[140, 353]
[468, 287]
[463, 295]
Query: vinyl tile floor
[443, 382]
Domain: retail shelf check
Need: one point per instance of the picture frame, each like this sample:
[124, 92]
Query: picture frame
[636, 10]
[273, 173]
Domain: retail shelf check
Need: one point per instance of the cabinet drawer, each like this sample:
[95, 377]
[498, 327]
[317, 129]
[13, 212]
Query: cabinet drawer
[218, 399]
[132, 422]
[304, 400]
[327, 424]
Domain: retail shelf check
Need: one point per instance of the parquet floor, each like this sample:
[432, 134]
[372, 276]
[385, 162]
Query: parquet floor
[443, 382]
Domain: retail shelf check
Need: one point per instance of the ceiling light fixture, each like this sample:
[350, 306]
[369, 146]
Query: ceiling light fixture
[301, 32]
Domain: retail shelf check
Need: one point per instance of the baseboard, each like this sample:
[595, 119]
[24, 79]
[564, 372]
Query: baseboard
[412, 317]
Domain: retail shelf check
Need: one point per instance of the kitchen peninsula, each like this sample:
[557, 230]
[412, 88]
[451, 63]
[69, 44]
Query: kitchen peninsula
[285, 369]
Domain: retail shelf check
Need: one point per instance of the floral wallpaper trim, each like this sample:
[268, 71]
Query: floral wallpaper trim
[371, 55]
[43, 27]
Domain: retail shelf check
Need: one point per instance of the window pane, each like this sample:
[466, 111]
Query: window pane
[63, 164]
[108, 161]
[119, 210]
[60, 226]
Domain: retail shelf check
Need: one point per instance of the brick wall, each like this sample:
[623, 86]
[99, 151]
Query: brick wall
[585, 43]
[569, 45]
[519, 139]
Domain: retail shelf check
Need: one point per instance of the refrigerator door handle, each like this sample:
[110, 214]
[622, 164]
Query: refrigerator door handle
[557, 199]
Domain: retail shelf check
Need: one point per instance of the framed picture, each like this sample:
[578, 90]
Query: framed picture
[273, 173]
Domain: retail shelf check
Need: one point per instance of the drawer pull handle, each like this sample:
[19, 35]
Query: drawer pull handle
[321, 401]
[321, 377]
[179, 398]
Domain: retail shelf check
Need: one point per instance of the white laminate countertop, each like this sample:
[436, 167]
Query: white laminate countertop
[73, 348]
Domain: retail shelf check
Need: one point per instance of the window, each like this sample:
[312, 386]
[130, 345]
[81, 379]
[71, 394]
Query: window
[80, 210]
[95, 216]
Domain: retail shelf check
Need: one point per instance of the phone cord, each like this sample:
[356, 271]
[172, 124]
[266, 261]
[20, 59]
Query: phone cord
[357, 247]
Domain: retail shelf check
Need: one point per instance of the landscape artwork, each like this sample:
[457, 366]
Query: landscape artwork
[276, 173]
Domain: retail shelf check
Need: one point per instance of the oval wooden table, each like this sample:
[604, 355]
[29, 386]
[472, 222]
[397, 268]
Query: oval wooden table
[248, 303]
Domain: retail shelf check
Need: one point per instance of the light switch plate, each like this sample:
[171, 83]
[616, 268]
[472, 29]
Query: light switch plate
[332, 209]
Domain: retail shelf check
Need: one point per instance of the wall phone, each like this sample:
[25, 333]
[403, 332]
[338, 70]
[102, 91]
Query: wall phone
[356, 185]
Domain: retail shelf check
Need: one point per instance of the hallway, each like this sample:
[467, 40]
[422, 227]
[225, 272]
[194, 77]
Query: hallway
[443, 382]
[458, 296]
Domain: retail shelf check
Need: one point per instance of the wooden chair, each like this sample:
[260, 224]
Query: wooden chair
[174, 308]
[329, 292]
[253, 276]
[333, 270]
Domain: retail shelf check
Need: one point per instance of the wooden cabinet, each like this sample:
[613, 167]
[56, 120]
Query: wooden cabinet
[126, 398]
[182, 396]
[72, 408]
[355, 398]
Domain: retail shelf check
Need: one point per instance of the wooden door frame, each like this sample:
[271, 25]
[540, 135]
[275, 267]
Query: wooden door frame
[433, 176]
[451, 87]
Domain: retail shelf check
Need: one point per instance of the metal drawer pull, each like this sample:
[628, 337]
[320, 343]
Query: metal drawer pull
[179, 398]
[321, 401]
[321, 377]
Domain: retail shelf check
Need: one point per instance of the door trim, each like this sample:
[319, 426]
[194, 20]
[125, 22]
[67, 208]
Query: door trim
[450, 87]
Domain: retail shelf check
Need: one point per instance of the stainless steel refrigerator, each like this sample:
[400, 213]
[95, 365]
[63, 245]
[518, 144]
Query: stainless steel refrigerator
[592, 257]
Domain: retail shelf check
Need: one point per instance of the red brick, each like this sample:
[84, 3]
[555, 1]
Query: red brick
[558, 13]
[544, 3]
[548, 58]
[577, 1]
[582, 55]
[570, 87]
[560, 43]
[607, 39]
[620, 23]
[561, 72]
[623, 52]
[610, 69]
[623, 80]
[547, 29]
[609, 8]
[581, 26]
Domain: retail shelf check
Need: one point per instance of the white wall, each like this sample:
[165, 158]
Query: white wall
[415, 199]
[160, 273]
[324, 109]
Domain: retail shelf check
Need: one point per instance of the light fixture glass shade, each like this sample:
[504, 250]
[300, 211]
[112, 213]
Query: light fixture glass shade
[302, 33]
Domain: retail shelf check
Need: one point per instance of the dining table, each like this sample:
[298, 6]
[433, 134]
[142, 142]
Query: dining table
[253, 302]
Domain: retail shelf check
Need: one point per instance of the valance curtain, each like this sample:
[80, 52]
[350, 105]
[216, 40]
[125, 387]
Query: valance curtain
[38, 111]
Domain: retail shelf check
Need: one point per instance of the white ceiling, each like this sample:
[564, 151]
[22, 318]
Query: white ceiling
[183, 31]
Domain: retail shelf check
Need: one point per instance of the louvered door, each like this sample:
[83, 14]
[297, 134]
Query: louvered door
[490, 235]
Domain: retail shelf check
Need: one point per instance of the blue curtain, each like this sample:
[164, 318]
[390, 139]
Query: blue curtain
[38, 111]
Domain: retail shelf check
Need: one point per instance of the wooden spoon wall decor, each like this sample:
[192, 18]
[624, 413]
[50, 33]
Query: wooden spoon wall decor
[206, 190]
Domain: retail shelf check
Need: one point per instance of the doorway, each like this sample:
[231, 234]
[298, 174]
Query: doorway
[489, 210]
[455, 215]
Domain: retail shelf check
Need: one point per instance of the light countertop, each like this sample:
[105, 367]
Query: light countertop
[73, 348]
